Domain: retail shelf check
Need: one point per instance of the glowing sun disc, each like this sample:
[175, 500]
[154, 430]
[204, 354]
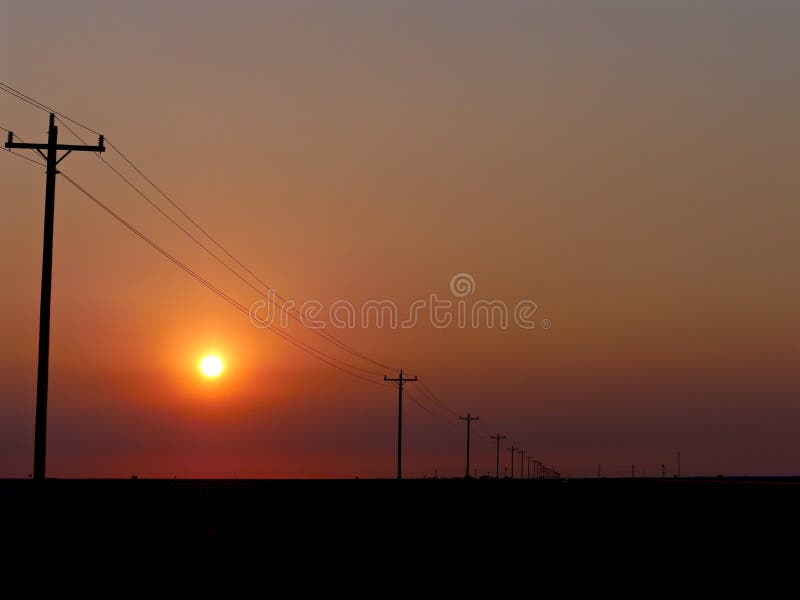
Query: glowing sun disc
[211, 366]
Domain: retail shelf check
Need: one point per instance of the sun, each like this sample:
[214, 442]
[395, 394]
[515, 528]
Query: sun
[211, 366]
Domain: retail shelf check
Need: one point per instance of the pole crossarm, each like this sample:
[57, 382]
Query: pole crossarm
[11, 145]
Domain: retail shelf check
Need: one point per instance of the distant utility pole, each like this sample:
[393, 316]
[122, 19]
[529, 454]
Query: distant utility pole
[522, 454]
[663, 470]
[497, 437]
[51, 147]
[679, 465]
[400, 381]
[512, 450]
[530, 460]
[633, 471]
[469, 419]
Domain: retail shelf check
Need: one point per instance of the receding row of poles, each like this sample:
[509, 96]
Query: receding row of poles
[532, 469]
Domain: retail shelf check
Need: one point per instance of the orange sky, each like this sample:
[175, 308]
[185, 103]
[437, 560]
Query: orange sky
[631, 168]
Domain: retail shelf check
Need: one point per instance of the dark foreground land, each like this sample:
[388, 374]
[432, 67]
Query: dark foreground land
[366, 519]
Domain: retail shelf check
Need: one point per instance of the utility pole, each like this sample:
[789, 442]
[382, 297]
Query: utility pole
[679, 465]
[512, 450]
[400, 381]
[51, 157]
[633, 471]
[469, 419]
[497, 437]
[530, 460]
[522, 454]
[663, 471]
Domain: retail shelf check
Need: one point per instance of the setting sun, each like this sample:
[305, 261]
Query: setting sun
[211, 366]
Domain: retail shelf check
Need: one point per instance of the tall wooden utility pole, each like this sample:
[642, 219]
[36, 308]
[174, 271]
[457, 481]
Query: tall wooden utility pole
[50, 155]
[497, 437]
[469, 419]
[400, 381]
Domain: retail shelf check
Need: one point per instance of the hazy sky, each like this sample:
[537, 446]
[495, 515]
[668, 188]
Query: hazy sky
[631, 167]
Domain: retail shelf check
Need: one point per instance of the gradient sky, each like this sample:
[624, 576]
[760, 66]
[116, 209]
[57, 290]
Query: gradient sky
[632, 167]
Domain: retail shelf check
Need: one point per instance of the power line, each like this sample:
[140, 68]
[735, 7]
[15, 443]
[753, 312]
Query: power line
[427, 391]
[322, 333]
[28, 158]
[227, 266]
[217, 258]
[302, 346]
[35, 103]
[436, 415]
[424, 408]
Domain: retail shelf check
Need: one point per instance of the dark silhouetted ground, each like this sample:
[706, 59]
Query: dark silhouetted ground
[356, 522]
